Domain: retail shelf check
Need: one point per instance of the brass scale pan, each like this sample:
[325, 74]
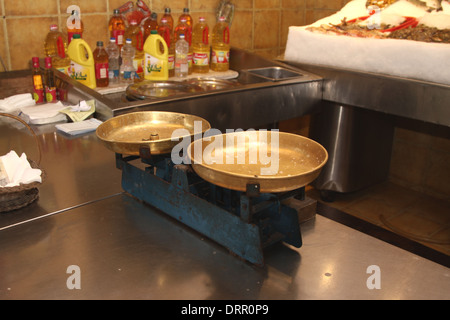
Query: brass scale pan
[299, 160]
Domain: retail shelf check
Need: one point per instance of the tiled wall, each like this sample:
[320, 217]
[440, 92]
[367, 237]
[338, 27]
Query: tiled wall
[259, 26]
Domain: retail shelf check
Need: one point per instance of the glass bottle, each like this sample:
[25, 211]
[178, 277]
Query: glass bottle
[49, 81]
[117, 28]
[38, 83]
[101, 65]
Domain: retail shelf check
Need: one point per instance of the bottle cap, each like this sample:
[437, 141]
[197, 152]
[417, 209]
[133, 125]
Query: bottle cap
[186, 10]
[167, 10]
[112, 39]
[48, 62]
[128, 41]
[154, 15]
[154, 32]
[181, 36]
[116, 11]
[99, 43]
[76, 36]
[53, 27]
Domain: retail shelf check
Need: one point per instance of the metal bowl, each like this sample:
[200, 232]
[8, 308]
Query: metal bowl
[294, 161]
[128, 133]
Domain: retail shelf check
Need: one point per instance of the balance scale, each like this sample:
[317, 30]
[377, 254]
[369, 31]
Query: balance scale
[230, 204]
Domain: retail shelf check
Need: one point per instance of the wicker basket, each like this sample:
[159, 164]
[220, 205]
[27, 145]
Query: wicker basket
[12, 198]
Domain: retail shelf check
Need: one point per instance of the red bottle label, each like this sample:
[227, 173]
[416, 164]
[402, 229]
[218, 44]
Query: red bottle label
[101, 70]
[118, 34]
[38, 95]
[50, 94]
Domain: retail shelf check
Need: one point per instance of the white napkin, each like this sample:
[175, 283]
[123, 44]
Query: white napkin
[15, 102]
[18, 170]
[44, 113]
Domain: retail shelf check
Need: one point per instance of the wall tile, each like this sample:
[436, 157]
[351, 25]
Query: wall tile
[86, 6]
[241, 32]
[267, 4]
[266, 34]
[30, 7]
[24, 43]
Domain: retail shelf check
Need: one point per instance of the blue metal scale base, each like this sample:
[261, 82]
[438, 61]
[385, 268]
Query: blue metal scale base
[243, 222]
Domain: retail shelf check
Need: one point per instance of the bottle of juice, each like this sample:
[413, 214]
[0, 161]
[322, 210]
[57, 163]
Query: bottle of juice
[134, 32]
[117, 28]
[168, 16]
[156, 60]
[82, 66]
[200, 47]
[149, 24]
[56, 47]
[74, 23]
[165, 32]
[181, 57]
[220, 53]
[183, 28]
[49, 81]
[186, 16]
[101, 62]
[38, 82]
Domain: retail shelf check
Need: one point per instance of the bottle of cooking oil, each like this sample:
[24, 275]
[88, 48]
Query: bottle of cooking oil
[220, 53]
[168, 16]
[49, 81]
[82, 66]
[187, 16]
[165, 32]
[200, 47]
[117, 27]
[156, 60]
[134, 32]
[101, 62]
[149, 24]
[56, 47]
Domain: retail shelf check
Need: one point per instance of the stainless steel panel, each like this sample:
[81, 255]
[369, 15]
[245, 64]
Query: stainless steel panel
[414, 99]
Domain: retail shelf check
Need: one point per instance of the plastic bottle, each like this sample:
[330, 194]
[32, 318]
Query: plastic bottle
[74, 23]
[49, 81]
[117, 28]
[156, 60]
[181, 57]
[56, 47]
[220, 52]
[188, 17]
[183, 28]
[127, 70]
[201, 47]
[134, 32]
[165, 32]
[38, 83]
[149, 24]
[82, 66]
[168, 16]
[113, 51]
[101, 65]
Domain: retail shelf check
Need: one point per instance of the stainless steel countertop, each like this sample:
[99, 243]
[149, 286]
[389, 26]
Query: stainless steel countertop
[128, 250]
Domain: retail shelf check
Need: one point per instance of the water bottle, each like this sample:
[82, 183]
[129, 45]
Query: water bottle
[181, 57]
[113, 55]
[127, 70]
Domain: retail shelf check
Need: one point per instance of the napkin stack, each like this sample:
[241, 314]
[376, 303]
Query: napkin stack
[14, 103]
[15, 170]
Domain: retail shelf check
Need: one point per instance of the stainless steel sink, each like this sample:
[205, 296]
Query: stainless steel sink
[275, 73]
